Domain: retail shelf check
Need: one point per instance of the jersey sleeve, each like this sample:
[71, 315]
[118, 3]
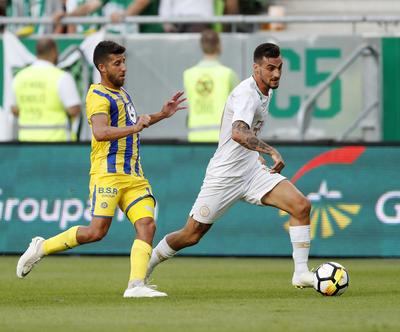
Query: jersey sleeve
[96, 104]
[244, 107]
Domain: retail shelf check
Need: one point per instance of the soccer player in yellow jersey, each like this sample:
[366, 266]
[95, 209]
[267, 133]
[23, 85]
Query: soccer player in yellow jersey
[116, 175]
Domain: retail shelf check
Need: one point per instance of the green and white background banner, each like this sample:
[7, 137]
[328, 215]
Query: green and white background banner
[308, 62]
[355, 193]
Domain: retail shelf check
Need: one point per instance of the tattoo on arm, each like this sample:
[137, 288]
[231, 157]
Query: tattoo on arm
[245, 137]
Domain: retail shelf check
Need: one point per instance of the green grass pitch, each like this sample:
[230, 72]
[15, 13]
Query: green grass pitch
[205, 294]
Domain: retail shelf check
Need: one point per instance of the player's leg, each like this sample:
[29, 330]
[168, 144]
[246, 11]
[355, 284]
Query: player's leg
[104, 195]
[287, 197]
[141, 214]
[215, 197]
[188, 236]
[74, 236]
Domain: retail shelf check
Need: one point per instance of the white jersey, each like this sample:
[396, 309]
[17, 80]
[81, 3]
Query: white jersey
[245, 103]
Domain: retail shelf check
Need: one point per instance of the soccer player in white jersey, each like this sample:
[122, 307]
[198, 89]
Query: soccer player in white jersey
[237, 171]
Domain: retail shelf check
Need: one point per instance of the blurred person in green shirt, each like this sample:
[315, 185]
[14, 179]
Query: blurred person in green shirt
[117, 10]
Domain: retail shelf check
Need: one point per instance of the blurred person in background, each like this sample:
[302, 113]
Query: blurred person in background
[186, 9]
[207, 86]
[245, 7]
[45, 98]
[117, 10]
[25, 8]
[140, 7]
[3, 12]
[33, 8]
[224, 7]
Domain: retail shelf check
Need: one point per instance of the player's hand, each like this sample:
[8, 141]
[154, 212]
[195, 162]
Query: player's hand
[279, 164]
[57, 16]
[143, 122]
[173, 105]
[168, 27]
[117, 17]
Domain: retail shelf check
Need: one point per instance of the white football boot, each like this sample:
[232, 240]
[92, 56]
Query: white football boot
[149, 283]
[142, 290]
[303, 280]
[31, 256]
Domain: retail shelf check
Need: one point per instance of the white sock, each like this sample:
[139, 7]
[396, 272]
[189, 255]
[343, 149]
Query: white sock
[300, 238]
[160, 253]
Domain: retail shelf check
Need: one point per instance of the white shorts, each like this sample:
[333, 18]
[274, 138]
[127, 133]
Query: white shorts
[218, 194]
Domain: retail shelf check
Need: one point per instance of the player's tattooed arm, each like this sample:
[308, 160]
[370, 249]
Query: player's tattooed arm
[242, 134]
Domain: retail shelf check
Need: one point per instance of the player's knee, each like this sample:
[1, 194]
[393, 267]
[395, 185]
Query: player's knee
[151, 228]
[303, 208]
[145, 227]
[96, 235]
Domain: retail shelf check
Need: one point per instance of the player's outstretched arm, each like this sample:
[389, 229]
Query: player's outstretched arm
[169, 108]
[242, 134]
[103, 132]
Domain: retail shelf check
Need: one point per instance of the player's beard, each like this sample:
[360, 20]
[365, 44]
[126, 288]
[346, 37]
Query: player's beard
[116, 80]
[270, 84]
[273, 84]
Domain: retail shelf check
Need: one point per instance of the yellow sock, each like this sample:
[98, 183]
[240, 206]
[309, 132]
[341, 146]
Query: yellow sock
[61, 242]
[140, 256]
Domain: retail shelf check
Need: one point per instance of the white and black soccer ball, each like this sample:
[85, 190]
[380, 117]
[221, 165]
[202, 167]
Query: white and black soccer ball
[331, 279]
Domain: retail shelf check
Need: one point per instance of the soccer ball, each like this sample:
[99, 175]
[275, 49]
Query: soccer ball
[331, 279]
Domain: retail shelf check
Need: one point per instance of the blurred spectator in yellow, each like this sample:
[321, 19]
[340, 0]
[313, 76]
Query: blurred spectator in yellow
[186, 9]
[207, 86]
[45, 98]
[116, 9]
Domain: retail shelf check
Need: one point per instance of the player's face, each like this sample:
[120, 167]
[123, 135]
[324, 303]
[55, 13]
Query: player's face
[115, 69]
[268, 72]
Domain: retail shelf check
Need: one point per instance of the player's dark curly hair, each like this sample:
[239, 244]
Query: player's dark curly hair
[267, 50]
[104, 49]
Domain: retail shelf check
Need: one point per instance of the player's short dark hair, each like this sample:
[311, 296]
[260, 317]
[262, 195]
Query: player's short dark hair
[104, 49]
[266, 50]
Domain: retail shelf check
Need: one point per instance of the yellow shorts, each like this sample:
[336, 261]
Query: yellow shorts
[132, 194]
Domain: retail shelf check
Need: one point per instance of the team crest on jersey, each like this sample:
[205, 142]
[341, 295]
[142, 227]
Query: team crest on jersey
[130, 109]
[204, 211]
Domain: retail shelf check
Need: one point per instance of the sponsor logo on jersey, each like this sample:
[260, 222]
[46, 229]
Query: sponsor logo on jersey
[107, 190]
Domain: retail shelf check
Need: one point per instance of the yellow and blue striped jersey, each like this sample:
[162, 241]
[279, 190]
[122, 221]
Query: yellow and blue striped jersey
[119, 156]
